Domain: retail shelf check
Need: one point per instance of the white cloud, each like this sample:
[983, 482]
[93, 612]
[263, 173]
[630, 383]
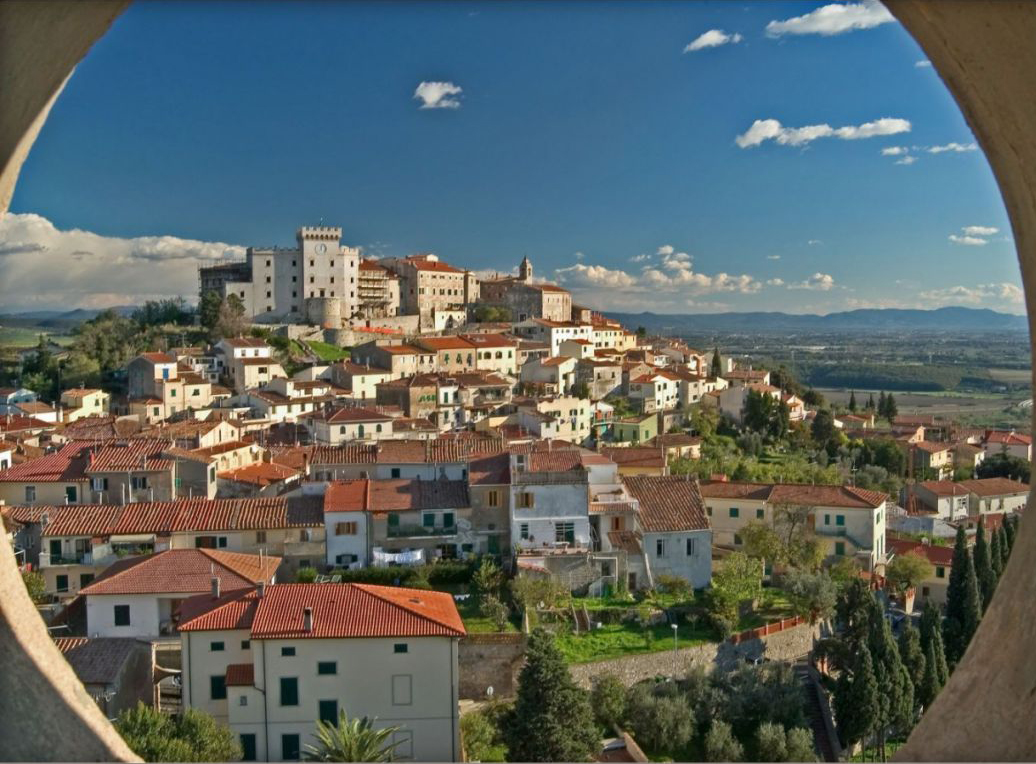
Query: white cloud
[924, 63]
[773, 257]
[833, 19]
[670, 282]
[640, 258]
[971, 241]
[980, 230]
[907, 160]
[775, 282]
[821, 282]
[894, 151]
[954, 147]
[42, 267]
[814, 242]
[438, 95]
[994, 295]
[771, 129]
[713, 39]
[578, 255]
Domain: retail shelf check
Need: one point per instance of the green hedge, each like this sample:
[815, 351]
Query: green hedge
[416, 576]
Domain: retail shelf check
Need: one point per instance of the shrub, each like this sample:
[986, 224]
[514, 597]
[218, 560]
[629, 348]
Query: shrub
[608, 698]
[478, 735]
[675, 585]
[306, 576]
[661, 720]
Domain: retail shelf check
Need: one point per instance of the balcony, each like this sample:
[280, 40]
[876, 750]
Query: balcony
[417, 531]
[48, 560]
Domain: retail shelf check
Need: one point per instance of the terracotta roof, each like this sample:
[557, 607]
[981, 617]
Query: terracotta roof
[668, 503]
[401, 350]
[490, 470]
[355, 610]
[79, 392]
[626, 541]
[158, 357]
[245, 342]
[1008, 438]
[359, 369]
[99, 660]
[422, 264]
[635, 456]
[997, 486]
[260, 474]
[936, 554]
[183, 570]
[65, 466]
[827, 496]
[16, 422]
[444, 343]
[943, 488]
[395, 495]
[233, 610]
[342, 416]
[490, 340]
[34, 407]
[561, 460]
[240, 675]
[182, 515]
[439, 451]
[932, 447]
[137, 455]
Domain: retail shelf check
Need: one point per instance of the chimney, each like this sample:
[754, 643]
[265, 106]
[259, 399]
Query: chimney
[307, 619]
[215, 587]
[260, 589]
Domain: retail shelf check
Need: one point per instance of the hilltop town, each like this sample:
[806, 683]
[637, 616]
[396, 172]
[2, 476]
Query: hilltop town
[373, 485]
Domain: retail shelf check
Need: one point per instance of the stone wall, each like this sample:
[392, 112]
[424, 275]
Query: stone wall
[490, 660]
[784, 646]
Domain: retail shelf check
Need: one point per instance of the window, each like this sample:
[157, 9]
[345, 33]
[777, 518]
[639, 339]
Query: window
[260, 537]
[565, 533]
[328, 710]
[839, 519]
[447, 519]
[218, 687]
[327, 667]
[690, 547]
[395, 472]
[290, 747]
[289, 691]
[346, 529]
[138, 483]
[493, 499]
[708, 511]
[100, 484]
[402, 690]
[840, 548]
[61, 584]
[246, 644]
[660, 547]
[735, 512]
[737, 540]
[827, 519]
[122, 615]
[400, 647]
[760, 514]
[404, 745]
[287, 652]
[525, 500]
[30, 493]
[940, 571]
[523, 531]
[248, 752]
[877, 518]
[216, 647]
[85, 579]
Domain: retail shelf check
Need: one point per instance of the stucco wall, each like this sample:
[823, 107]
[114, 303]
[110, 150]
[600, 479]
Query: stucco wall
[490, 660]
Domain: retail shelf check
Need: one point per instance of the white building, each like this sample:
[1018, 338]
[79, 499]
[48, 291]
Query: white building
[271, 662]
[314, 282]
[139, 596]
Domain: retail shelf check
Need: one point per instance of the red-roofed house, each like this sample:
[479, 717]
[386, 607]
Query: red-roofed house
[81, 402]
[272, 661]
[138, 596]
[941, 558]
[1009, 442]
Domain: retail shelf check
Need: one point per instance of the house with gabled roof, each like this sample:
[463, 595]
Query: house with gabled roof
[138, 596]
[272, 661]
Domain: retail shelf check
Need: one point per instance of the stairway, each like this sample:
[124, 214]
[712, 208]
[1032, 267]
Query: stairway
[815, 712]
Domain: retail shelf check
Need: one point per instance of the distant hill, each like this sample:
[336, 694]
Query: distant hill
[79, 314]
[957, 320]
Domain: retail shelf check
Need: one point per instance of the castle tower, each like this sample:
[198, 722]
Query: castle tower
[525, 270]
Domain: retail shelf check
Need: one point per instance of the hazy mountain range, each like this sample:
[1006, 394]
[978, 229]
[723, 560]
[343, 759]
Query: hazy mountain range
[957, 320]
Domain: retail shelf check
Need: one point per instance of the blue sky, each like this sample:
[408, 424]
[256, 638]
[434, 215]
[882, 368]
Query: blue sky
[584, 135]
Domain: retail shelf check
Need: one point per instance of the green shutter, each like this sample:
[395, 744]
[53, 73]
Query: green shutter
[393, 520]
[447, 520]
[428, 520]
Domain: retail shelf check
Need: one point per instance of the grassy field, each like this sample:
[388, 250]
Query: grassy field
[476, 623]
[615, 640]
[327, 352]
[976, 409]
[25, 337]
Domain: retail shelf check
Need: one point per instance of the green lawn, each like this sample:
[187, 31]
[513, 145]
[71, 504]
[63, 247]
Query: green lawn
[476, 623]
[327, 352]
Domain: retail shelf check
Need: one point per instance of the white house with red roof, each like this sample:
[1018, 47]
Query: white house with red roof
[941, 558]
[272, 661]
[655, 391]
[1007, 441]
[138, 596]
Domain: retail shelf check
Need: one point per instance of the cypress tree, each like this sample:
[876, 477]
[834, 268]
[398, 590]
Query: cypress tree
[895, 691]
[913, 659]
[963, 602]
[552, 719]
[996, 559]
[942, 668]
[983, 566]
[882, 405]
[930, 685]
[1005, 547]
[856, 699]
[717, 367]
[870, 402]
[891, 409]
[852, 401]
[1009, 531]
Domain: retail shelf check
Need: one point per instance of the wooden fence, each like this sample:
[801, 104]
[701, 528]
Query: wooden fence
[774, 627]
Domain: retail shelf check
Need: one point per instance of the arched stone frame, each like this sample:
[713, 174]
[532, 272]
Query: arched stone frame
[986, 56]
